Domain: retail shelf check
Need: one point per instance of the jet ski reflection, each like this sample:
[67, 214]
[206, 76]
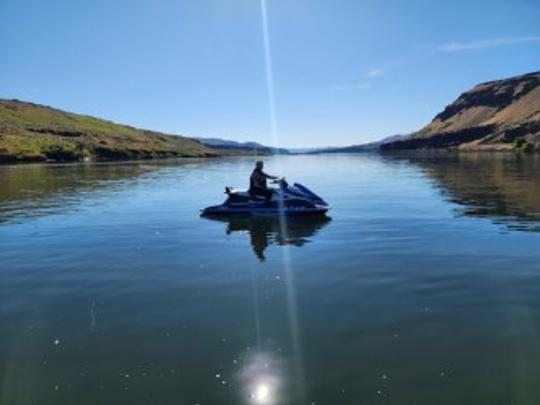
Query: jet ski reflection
[265, 231]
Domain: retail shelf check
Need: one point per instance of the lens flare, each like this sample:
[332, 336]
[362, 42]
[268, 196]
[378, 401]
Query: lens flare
[262, 393]
[287, 264]
[262, 379]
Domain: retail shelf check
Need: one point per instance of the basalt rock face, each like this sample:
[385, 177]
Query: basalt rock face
[497, 115]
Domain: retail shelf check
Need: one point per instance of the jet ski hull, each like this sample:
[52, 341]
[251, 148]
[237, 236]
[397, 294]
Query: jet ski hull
[222, 210]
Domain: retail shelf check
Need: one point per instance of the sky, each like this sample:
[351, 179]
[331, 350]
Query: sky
[344, 71]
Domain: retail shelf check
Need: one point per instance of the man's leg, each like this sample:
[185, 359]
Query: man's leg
[268, 195]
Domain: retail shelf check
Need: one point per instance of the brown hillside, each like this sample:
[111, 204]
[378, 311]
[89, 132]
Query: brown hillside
[501, 114]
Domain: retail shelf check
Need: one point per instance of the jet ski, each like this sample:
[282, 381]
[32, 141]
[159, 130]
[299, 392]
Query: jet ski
[295, 200]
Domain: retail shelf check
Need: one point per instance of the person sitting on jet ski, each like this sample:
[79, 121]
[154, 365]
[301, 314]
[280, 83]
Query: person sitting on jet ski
[257, 183]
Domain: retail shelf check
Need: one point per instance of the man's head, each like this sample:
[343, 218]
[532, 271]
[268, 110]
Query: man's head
[259, 164]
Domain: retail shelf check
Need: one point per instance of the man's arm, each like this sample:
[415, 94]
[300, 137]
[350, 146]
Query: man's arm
[269, 176]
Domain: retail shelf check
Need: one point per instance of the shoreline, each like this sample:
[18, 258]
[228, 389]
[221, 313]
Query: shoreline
[394, 152]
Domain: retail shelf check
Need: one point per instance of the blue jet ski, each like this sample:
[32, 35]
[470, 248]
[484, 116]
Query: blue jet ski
[295, 200]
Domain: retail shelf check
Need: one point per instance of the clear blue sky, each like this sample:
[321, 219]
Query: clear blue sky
[345, 71]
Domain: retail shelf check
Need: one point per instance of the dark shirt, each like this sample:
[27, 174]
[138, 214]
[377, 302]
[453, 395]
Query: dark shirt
[257, 181]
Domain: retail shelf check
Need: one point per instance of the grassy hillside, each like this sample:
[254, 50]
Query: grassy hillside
[502, 114]
[31, 132]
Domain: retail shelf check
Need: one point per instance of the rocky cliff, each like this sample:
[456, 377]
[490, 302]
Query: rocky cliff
[502, 114]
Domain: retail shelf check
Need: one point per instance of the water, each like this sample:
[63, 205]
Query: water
[423, 287]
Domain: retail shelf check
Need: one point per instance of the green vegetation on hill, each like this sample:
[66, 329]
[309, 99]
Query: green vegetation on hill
[31, 132]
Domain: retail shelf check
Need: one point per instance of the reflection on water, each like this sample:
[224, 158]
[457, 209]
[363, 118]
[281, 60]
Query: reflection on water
[114, 290]
[35, 190]
[265, 231]
[504, 187]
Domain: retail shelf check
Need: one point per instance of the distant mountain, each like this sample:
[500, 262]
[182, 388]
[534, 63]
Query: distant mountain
[498, 115]
[366, 147]
[254, 147]
[32, 132]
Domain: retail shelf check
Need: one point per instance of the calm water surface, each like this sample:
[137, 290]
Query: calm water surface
[423, 286]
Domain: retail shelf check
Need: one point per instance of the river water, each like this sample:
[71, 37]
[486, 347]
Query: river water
[421, 287]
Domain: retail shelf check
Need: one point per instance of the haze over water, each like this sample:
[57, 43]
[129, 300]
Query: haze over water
[422, 287]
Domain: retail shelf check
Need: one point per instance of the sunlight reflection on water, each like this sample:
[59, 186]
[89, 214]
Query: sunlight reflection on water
[263, 379]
